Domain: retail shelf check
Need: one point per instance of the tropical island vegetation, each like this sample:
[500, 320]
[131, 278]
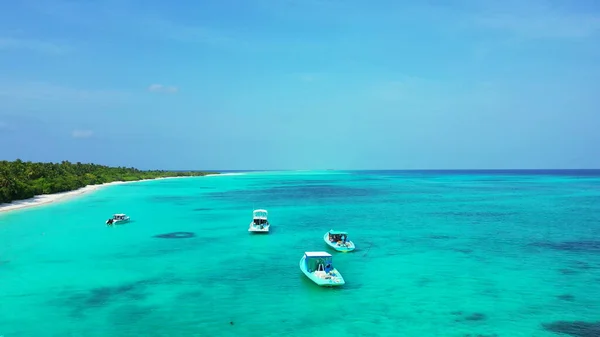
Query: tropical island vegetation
[22, 180]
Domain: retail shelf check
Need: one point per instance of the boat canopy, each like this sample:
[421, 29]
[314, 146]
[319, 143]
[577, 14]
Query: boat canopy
[332, 232]
[315, 261]
[317, 254]
[260, 213]
[119, 214]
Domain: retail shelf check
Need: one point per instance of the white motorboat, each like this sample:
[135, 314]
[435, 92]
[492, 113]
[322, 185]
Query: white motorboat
[260, 222]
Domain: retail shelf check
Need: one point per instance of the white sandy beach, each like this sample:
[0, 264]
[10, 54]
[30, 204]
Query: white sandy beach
[51, 198]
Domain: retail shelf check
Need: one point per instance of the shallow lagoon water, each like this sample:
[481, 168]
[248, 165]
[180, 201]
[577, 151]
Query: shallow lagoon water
[438, 254]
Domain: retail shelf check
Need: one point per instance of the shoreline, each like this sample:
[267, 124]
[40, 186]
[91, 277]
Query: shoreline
[45, 199]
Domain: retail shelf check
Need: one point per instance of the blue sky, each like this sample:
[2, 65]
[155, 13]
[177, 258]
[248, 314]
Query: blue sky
[301, 84]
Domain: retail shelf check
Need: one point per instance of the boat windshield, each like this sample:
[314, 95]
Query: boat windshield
[259, 221]
[336, 237]
[319, 264]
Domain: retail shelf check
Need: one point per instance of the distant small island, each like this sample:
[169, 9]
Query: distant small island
[21, 180]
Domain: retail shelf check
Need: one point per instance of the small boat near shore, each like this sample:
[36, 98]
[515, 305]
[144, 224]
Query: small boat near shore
[318, 267]
[118, 219]
[339, 241]
[260, 222]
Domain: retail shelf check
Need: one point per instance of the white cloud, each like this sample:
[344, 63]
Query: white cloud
[310, 77]
[8, 43]
[534, 19]
[163, 88]
[402, 88]
[52, 92]
[125, 17]
[307, 78]
[541, 25]
[82, 133]
[390, 91]
[182, 33]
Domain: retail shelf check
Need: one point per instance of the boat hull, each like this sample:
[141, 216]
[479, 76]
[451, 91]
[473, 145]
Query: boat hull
[117, 222]
[257, 229]
[335, 246]
[331, 282]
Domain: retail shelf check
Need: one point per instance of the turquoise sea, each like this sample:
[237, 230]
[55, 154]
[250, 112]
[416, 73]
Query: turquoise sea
[479, 253]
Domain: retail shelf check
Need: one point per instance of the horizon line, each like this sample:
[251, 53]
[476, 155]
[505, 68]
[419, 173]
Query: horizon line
[375, 170]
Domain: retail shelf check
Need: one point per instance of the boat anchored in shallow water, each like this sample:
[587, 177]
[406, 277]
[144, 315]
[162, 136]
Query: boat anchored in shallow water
[318, 267]
[338, 241]
[117, 219]
[260, 222]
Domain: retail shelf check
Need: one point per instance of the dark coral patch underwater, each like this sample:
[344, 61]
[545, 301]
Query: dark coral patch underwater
[591, 246]
[98, 297]
[566, 297]
[574, 328]
[176, 235]
[476, 316]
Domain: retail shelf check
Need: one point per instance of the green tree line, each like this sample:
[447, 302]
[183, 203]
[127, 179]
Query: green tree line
[21, 180]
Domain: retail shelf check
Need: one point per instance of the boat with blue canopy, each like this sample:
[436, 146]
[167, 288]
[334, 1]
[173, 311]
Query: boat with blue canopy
[318, 267]
[338, 240]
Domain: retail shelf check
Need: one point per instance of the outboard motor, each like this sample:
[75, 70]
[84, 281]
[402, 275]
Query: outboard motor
[109, 222]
